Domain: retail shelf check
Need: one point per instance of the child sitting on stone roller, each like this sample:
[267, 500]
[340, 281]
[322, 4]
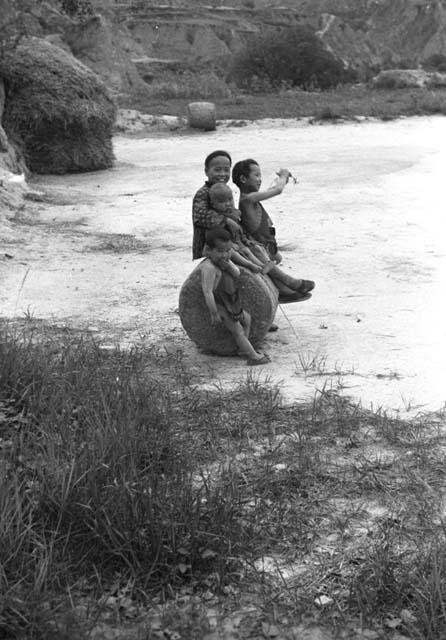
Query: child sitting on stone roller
[256, 223]
[217, 167]
[219, 282]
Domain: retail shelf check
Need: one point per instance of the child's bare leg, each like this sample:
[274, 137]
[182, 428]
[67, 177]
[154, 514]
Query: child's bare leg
[250, 256]
[246, 323]
[283, 289]
[238, 333]
[295, 284]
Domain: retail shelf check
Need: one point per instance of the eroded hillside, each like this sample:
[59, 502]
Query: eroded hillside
[126, 41]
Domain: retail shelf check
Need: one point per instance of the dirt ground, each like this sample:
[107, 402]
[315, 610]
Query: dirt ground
[365, 221]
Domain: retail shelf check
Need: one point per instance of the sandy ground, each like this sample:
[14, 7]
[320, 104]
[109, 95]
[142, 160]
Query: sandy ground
[366, 221]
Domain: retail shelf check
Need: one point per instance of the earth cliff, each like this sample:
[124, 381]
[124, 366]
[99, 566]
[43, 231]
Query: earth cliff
[364, 33]
[129, 41]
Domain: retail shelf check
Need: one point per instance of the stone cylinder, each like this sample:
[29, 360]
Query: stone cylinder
[202, 115]
[259, 298]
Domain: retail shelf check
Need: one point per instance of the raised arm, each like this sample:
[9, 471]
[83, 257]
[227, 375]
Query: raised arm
[202, 214]
[257, 196]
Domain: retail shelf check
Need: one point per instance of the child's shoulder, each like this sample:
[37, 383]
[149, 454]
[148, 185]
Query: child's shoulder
[203, 191]
[207, 265]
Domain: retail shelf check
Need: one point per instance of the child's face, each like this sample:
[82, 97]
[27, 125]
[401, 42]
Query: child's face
[221, 252]
[219, 170]
[254, 180]
[223, 203]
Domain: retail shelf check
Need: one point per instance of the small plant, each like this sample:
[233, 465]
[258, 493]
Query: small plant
[312, 363]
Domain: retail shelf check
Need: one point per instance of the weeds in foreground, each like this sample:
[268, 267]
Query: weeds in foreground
[121, 480]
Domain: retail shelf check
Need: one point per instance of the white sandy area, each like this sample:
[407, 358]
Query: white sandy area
[366, 221]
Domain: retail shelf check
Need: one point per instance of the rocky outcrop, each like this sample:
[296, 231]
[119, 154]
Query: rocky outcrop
[104, 47]
[363, 33]
[58, 113]
[129, 43]
[12, 170]
[408, 78]
[390, 32]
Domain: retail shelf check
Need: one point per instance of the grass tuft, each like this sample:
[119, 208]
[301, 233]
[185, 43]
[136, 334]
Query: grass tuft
[122, 483]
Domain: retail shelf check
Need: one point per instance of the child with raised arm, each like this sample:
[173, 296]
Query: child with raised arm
[219, 282]
[247, 176]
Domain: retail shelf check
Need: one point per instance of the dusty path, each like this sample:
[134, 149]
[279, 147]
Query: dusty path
[366, 221]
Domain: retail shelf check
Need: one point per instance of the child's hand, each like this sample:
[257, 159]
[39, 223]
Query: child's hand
[232, 225]
[234, 214]
[215, 319]
[284, 173]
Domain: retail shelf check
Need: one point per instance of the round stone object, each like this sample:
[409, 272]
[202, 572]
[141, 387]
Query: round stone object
[259, 298]
[202, 115]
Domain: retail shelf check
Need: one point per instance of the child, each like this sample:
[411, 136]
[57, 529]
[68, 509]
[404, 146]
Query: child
[217, 167]
[219, 277]
[222, 201]
[255, 220]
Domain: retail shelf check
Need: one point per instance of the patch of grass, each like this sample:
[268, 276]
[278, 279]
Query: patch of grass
[327, 114]
[120, 243]
[346, 101]
[190, 85]
[124, 485]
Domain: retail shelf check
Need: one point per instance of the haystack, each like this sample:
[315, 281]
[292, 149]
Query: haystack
[259, 298]
[57, 111]
[202, 115]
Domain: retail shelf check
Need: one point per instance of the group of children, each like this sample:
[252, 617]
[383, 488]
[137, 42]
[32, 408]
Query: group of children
[229, 238]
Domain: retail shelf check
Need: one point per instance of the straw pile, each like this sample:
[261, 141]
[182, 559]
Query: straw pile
[201, 115]
[259, 298]
[57, 112]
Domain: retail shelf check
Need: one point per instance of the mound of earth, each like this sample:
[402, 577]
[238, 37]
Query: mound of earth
[57, 112]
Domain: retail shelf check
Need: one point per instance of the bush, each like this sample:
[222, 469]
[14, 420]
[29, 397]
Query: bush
[435, 62]
[77, 8]
[294, 56]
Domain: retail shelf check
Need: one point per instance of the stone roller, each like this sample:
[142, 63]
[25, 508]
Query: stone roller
[258, 296]
[202, 115]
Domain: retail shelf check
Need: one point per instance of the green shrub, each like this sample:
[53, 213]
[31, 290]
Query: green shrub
[294, 56]
[435, 62]
[77, 8]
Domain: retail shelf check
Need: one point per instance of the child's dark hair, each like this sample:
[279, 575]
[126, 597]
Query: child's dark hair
[242, 168]
[213, 235]
[219, 189]
[216, 154]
